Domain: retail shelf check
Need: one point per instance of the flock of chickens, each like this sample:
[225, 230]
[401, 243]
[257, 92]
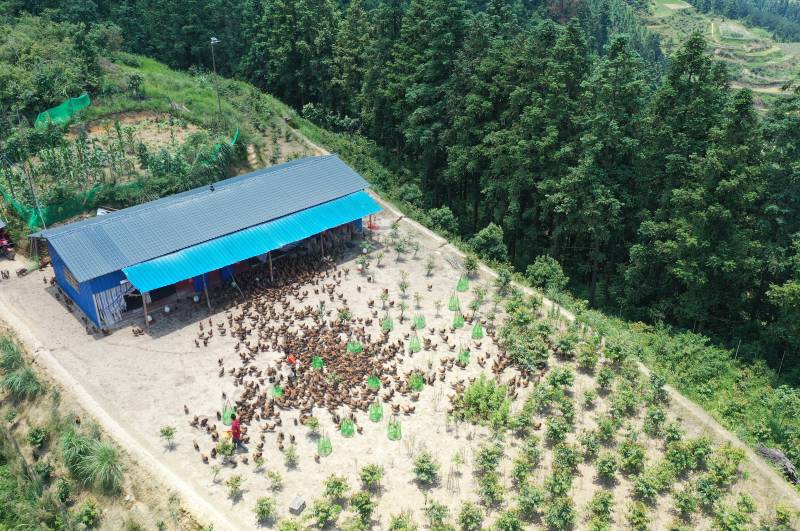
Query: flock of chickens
[288, 317]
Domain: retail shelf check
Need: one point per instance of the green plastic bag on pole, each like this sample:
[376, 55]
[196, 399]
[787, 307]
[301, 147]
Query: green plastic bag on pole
[317, 362]
[324, 446]
[463, 284]
[458, 321]
[419, 322]
[414, 345]
[393, 431]
[355, 347]
[227, 412]
[477, 331]
[453, 304]
[277, 391]
[375, 412]
[374, 383]
[348, 428]
[463, 357]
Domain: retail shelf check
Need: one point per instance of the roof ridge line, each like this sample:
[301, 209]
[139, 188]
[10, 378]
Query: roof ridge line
[144, 208]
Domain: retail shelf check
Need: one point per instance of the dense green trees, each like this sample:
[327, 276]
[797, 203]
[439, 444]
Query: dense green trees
[527, 128]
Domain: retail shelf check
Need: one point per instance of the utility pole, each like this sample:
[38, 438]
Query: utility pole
[214, 41]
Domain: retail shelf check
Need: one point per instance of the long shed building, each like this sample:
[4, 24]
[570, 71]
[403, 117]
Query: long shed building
[201, 235]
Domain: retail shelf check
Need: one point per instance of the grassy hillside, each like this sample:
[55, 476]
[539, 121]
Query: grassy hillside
[150, 132]
[755, 59]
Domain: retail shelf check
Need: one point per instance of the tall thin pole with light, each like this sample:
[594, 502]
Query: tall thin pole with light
[214, 41]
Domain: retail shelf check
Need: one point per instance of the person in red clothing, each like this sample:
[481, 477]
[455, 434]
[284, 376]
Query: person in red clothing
[292, 365]
[236, 432]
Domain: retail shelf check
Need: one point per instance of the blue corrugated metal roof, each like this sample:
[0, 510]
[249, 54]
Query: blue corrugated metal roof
[101, 245]
[248, 243]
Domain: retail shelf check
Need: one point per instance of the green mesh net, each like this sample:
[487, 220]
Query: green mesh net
[463, 357]
[374, 383]
[227, 412]
[375, 412]
[348, 428]
[393, 430]
[419, 322]
[387, 325]
[477, 331]
[355, 347]
[417, 382]
[324, 446]
[277, 391]
[414, 345]
[62, 113]
[458, 321]
[463, 284]
[317, 362]
[454, 304]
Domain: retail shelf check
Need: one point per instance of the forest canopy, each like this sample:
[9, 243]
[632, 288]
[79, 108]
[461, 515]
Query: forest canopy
[531, 128]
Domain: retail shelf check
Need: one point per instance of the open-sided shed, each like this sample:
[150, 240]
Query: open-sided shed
[152, 246]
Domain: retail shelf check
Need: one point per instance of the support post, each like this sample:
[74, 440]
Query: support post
[205, 289]
[269, 258]
[146, 316]
[321, 246]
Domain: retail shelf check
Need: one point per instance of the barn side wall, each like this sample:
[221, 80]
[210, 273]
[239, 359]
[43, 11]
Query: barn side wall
[82, 296]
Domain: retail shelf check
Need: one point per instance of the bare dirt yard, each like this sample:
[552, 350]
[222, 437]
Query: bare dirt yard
[539, 461]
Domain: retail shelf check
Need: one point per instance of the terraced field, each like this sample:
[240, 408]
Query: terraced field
[755, 59]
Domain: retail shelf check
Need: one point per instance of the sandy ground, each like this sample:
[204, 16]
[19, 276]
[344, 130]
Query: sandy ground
[136, 384]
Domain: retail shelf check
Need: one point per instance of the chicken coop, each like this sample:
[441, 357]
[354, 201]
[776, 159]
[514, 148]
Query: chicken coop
[114, 264]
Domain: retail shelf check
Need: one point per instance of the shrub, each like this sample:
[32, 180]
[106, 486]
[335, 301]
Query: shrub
[470, 518]
[426, 469]
[63, 490]
[484, 401]
[488, 457]
[589, 398]
[637, 518]
[632, 454]
[443, 220]
[590, 443]
[560, 513]
[654, 420]
[601, 505]
[530, 501]
[436, 513]
[645, 487]
[605, 377]
[88, 514]
[265, 509]
[336, 487]
[100, 466]
[22, 384]
[565, 457]
[290, 456]
[275, 480]
[324, 512]
[607, 466]
[10, 355]
[364, 505]
[546, 273]
[489, 242]
[234, 484]
[490, 489]
[588, 356]
[290, 525]
[508, 521]
[37, 436]
[470, 264]
[556, 430]
[561, 378]
[402, 522]
[371, 476]
[168, 434]
[558, 483]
